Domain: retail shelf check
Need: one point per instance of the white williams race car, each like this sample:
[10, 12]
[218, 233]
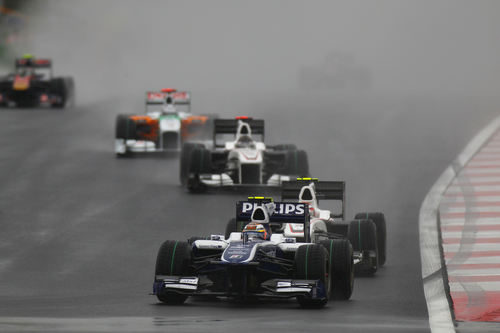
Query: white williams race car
[243, 159]
[258, 262]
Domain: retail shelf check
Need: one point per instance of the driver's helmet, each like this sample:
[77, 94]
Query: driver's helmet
[244, 141]
[168, 108]
[254, 230]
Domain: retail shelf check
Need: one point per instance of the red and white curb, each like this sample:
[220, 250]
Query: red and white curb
[460, 236]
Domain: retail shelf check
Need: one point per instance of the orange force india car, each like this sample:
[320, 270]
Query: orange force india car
[166, 124]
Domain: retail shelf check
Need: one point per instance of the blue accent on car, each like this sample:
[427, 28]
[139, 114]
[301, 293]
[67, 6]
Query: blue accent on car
[238, 252]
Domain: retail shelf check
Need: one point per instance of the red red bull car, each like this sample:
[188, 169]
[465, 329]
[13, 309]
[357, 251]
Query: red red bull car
[33, 84]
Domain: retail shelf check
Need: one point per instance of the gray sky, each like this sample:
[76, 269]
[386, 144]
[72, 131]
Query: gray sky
[220, 47]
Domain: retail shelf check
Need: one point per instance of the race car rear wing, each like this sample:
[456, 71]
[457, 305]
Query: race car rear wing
[158, 97]
[230, 126]
[324, 190]
[34, 63]
[284, 212]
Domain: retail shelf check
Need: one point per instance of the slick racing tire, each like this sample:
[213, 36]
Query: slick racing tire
[173, 258]
[187, 148]
[340, 229]
[199, 163]
[124, 127]
[58, 87]
[312, 263]
[297, 163]
[363, 237]
[379, 220]
[341, 268]
[200, 160]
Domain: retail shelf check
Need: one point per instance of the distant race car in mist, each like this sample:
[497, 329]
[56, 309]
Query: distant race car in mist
[238, 157]
[261, 261]
[166, 124]
[32, 84]
[366, 233]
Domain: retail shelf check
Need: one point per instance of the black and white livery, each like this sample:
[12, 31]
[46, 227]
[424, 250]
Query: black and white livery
[238, 157]
[259, 262]
[367, 232]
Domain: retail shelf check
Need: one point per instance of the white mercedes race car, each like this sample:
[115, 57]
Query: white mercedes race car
[243, 159]
[258, 263]
[167, 123]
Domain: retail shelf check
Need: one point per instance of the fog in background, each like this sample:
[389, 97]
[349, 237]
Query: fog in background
[383, 69]
[219, 49]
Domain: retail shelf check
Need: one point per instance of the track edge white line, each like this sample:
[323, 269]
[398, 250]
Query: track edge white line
[435, 290]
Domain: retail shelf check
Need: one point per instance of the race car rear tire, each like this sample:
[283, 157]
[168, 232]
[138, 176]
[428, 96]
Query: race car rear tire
[173, 258]
[58, 87]
[297, 163]
[124, 127]
[379, 220]
[337, 228]
[363, 237]
[70, 92]
[312, 263]
[341, 268]
[187, 148]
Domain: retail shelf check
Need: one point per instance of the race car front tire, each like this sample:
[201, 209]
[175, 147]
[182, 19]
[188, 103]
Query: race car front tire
[185, 159]
[379, 220]
[124, 127]
[174, 258]
[341, 267]
[363, 236]
[312, 263]
[199, 163]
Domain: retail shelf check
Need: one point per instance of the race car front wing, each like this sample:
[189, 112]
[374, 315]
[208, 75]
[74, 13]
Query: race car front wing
[273, 288]
[224, 180]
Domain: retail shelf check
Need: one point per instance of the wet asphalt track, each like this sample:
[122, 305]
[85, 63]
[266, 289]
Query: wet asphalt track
[79, 229]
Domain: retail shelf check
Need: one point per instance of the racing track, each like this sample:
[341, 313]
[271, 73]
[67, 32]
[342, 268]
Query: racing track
[79, 229]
